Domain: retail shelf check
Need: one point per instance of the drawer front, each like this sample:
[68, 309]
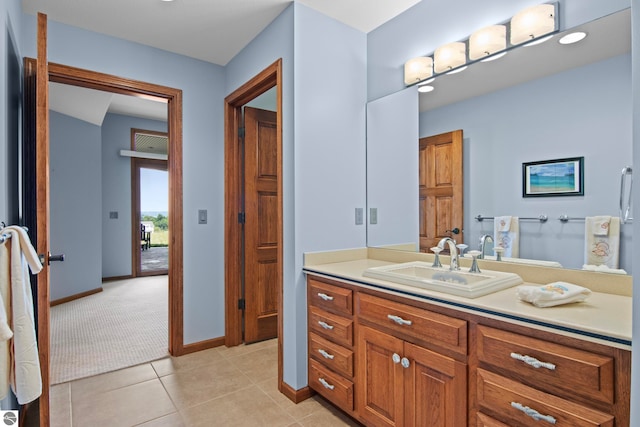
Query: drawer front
[331, 355]
[439, 329]
[331, 385]
[484, 420]
[329, 297]
[517, 404]
[335, 328]
[548, 366]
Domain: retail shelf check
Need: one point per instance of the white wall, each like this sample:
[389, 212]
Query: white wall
[202, 86]
[75, 184]
[116, 191]
[570, 114]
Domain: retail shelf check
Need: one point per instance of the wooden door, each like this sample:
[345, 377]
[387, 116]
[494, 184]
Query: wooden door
[435, 389]
[380, 393]
[261, 240]
[441, 188]
[42, 211]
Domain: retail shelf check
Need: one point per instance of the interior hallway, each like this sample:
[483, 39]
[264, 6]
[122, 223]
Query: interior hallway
[222, 386]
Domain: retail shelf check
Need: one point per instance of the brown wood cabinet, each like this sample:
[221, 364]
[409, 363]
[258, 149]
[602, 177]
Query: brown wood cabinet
[389, 360]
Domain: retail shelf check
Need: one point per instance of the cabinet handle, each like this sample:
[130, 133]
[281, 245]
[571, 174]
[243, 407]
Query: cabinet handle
[325, 296]
[395, 358]
[533, 413]
[405, 362]
[532, 361]
[325, 354]
[325, 325]
[399, 320]
[326, 384]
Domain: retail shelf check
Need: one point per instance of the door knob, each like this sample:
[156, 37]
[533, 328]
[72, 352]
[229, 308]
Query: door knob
[454, 231]
[50, 258]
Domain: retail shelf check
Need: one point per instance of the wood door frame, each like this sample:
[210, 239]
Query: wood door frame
[173, 97]
[268, 78]
[136, 165]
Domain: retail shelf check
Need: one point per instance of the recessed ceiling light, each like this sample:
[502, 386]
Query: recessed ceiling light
[572, 37]
[425, 88]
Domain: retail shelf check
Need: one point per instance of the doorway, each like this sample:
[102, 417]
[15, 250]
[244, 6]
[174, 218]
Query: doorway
[253, 214]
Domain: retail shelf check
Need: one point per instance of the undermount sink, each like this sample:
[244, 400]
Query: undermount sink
[421, 274]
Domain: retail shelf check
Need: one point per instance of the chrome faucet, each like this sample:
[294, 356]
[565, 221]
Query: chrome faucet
[483, 244]
[453, 252]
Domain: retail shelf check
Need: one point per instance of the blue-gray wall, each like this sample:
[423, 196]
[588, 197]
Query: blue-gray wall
[116, 191]
[570, 114]
[635, 53]
[75, 185]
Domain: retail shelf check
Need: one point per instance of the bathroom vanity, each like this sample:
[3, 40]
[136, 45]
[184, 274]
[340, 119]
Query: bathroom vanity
[389, 354]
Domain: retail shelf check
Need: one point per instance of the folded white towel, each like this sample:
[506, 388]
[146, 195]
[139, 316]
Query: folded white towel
[502, 223]
[603, 268]
[600, 225]
[555, 293]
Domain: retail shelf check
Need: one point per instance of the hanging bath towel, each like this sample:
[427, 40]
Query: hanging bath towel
[602, 241]
[506, 233]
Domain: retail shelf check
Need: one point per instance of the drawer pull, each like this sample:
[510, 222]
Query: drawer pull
[533, 413]
[532, 361]
[395, 358]
[325, 325]
[399, 320]
[325, 354]
[325, 296]
[330, 386]
[405, 362]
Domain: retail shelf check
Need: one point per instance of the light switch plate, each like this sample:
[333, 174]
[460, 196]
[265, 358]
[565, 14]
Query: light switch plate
[359, 216]
[202, 216]
[373, 215]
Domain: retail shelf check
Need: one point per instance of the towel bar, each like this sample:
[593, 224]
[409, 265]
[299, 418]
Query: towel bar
[541, 218]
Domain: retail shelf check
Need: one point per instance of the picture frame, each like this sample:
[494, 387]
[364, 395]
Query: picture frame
[552, 178]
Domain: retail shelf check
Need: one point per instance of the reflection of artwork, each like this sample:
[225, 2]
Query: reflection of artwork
[563, 177]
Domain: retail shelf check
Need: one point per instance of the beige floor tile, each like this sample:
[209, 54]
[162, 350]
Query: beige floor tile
[112, 380]
[328, 418]
[60, 405]
[170, 365]
[296, 410]
[240, 350]
[250, 407]
[171, 420]
[258, 365]
[129, 405]
[190, 387]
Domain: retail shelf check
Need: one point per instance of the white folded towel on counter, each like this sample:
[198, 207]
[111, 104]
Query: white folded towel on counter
[555, 293]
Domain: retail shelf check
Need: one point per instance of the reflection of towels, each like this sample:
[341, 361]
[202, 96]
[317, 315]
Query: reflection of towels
[506, 233]
[24, 368]
[602, 249]
[603, 269]
[555, 293]
[600, 225]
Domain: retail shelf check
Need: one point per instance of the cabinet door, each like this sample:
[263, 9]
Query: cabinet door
[435, 389]
[380, 378]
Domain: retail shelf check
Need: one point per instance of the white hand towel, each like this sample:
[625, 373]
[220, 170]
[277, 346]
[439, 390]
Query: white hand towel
[553, 294]
[508, 239]
[5, 319]
[600, 225]
[602, 249]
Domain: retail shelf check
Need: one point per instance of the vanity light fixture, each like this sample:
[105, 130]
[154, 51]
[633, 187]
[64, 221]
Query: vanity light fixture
[493, 57]
[487, 41]
[418, 69]
[532, 23]
[450, 56]
[573, 37]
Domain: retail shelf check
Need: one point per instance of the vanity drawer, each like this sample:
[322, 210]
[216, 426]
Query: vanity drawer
[484, 420]
[552, 367]
[331, 355]
[445, 331]
[329, 297]
[336, 328]
[517, 404]
[331, 385]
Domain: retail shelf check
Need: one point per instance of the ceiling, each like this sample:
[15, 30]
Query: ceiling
[209, 30]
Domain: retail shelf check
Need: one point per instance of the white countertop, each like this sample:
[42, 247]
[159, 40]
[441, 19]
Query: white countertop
[603, 318]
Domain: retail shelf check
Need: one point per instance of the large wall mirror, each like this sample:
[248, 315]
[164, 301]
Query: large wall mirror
[537, 103]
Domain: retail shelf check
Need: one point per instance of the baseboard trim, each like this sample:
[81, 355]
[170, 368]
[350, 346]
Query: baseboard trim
[296, 396]
[202, 345]
[114, 278]
[75, 297]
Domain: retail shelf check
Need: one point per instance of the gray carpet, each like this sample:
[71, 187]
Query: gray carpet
[124, 325]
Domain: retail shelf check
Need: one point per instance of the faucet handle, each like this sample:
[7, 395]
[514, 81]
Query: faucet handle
[474, 264]
[436, 260]
[499, 250]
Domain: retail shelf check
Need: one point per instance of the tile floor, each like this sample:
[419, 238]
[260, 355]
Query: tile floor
[218, 387]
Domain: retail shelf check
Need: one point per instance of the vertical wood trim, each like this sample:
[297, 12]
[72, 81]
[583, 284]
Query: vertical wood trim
[42, 211]
[265, 80]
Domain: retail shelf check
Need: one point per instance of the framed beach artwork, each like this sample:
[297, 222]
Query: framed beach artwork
[547, 178]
